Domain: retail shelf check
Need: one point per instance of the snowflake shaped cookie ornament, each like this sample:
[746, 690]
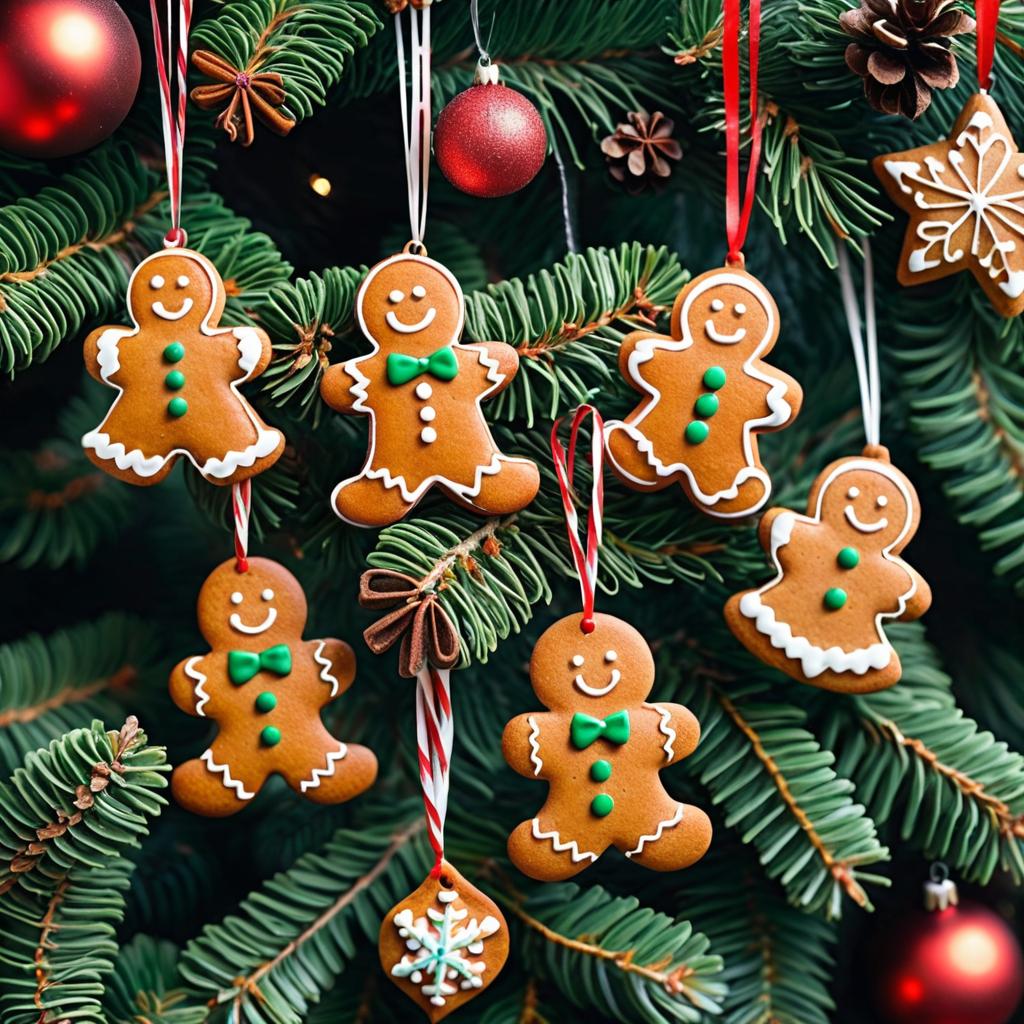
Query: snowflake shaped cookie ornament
[965, 198]
[444, 944]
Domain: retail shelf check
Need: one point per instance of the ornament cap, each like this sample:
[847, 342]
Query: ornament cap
[940, 891]
[486, 74]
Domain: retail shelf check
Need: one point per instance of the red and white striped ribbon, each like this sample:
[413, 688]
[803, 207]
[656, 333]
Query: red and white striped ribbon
[584, 560]
[241, 505]
[435, 731]
[172, 115]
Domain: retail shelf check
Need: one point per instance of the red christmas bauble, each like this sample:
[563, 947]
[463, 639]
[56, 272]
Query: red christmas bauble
[961, 965]
[490, 141]
[69, 71]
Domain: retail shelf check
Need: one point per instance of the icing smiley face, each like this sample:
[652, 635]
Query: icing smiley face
[873, 505]
[171, 287]
[571, 669]
[410, 304]
[727, 312]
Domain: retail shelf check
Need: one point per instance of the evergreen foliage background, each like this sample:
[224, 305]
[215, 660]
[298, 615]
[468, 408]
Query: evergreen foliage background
[825, 806]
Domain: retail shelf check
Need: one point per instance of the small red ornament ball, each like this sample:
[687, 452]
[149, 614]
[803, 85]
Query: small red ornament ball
[490, 141]
[961, 965]
[69, 71]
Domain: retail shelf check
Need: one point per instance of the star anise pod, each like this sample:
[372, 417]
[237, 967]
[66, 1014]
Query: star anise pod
[638, 152]
[902, 51]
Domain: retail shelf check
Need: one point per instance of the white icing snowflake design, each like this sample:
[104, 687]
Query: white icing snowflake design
[965, 186]
[442, 947]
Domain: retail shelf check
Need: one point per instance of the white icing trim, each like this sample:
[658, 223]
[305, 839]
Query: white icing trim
[665, 729]
[325, 671]
[656, 835]
[814, 659]
[203, 698]
[779, 410]
[222, 769]
[250, 349]
[572, 847]
[535, 745]
[333, 757]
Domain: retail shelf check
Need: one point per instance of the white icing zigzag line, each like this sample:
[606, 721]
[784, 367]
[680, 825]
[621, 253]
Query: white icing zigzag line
[201, 694]
[534, 745]
[574, 851]
[222, 769]
[665, 729]
[333, 756]
[668, 823]
[325, 672]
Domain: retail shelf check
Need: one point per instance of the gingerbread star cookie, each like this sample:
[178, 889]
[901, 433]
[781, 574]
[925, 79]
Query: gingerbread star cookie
[177, 373]
[965, 199]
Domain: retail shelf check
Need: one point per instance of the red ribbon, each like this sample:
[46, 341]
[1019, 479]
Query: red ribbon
[986, 15]
[585, 561]
[737, 216]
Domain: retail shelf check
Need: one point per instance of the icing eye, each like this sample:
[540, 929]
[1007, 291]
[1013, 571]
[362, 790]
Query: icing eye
[267, 595]
[396, 296]
[882, 501]
[610, 656]
[577, 660]
[717, 305]
[156, 281]
[853, 492]
[739, 309]
[236, 597]
[419, 292]
[182, 281]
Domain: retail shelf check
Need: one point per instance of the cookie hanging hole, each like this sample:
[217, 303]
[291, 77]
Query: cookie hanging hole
[735, 259]
[446, 881]
[414, 248]
[176, 239]
[587, 625]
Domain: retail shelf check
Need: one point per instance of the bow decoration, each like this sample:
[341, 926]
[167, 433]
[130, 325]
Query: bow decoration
[585, 729]
[417, 619]
[261, 92]
[243, 665]
[442, 364]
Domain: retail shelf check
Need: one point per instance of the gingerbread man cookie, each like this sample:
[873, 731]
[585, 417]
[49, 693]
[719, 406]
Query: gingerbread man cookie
[422, 389]
[707, 395]
[264, 686]
[839, 578]
[176, 373]
[600, 746]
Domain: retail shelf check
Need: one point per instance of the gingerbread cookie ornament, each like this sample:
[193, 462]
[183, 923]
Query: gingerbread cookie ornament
[265, 687]
[422, 389]
[177, 375]
[708, 393]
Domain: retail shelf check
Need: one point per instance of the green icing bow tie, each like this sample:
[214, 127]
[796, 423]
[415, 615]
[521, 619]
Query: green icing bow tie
[442, 364]
[585, 729]
[243, 665]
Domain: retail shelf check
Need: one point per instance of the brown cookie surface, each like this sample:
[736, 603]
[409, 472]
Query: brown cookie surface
[600, 746]
[177, 373]
[839, 577]
[707, 395]
[264, 686]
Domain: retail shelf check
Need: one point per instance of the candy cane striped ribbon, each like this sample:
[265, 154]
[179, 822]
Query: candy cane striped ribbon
[435, 731]
[173, 120]
[241, 505]
[584, 560]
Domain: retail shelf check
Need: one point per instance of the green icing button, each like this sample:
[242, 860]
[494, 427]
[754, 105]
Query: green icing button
[848, 558]
[265, 702]
[706, 406]
[835, 598]
[174, 352]
[177, 407]
[175, 380]
[714, 378]
[602, 805]
[696, 432]
[600, 771]
[270, 735]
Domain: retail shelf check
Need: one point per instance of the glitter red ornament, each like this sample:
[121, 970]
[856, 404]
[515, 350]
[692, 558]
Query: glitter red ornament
[948, 964]
[69, 71]
[490, 141]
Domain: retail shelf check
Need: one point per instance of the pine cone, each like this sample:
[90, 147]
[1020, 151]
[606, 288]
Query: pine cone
[639, 151]
[902, 51]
